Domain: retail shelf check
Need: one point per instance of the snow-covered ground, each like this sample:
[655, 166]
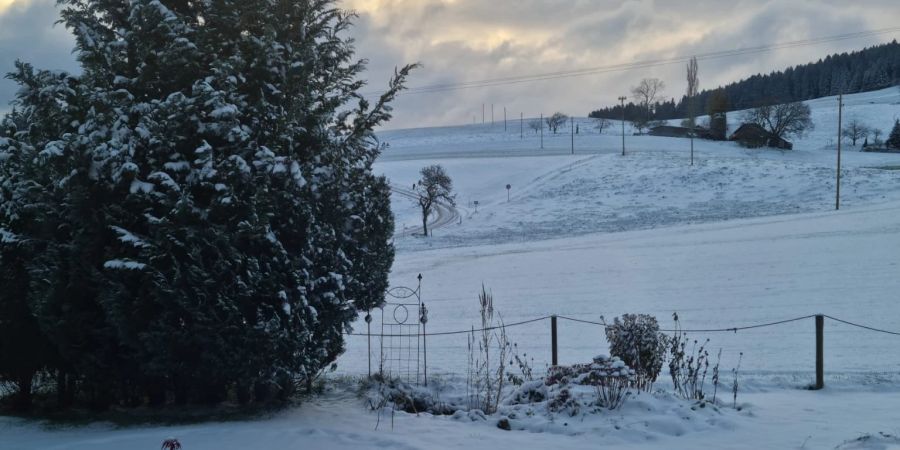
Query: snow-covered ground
[790, 419]
[742, 237]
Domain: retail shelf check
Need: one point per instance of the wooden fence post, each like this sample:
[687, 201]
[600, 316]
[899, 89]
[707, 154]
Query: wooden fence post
[425, 353]
[820, 352]
[553, 339]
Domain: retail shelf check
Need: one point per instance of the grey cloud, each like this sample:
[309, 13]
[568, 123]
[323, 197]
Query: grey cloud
[538, 36]
[27, 33]
[590, 34]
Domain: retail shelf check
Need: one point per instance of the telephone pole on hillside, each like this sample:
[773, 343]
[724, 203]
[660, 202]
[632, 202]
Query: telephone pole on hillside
[622, 99]
[837, 193]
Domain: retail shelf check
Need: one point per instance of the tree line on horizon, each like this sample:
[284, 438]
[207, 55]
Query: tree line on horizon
[869, 69]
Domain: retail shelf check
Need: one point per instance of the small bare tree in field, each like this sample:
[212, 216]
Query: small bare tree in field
[783, 119]
[647, 93]
[535, 125]
[855, 131]
[601, 123]
[435, 186]
[556, 120]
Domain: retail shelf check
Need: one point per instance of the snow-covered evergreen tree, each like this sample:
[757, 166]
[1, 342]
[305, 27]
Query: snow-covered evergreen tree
[893, 140]
[208, 181]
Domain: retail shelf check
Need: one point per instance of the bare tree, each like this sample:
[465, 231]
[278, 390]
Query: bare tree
[640, 123]
[693, 86]
[556, 120]
[876, 135]
[647, 93]
[601, 123]
[855, 131]
[434, 187]
[783, 119]
[535, 125]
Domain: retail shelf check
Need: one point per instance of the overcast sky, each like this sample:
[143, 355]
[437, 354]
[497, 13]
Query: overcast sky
[469, 40]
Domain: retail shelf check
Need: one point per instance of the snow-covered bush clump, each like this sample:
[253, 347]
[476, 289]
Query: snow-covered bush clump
[636, 339]
[396, 394]
[610, 376]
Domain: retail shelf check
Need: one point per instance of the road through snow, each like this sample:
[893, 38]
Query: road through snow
[442, 215]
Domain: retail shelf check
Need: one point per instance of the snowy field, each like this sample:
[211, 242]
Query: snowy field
[742, 237]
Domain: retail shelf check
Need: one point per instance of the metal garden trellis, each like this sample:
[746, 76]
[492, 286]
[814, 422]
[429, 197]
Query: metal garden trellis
[397, 332]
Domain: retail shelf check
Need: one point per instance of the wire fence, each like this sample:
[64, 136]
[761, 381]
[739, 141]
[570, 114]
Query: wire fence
[450, 353]
[665, 330]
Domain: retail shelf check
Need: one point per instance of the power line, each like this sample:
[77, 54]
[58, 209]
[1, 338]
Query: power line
[640, 64]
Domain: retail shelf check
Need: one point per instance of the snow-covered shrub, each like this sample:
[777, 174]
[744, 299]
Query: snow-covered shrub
[564, 401]
[194, 212]
[530, 392]
[396, 394]
[609, 375]
[636, 339]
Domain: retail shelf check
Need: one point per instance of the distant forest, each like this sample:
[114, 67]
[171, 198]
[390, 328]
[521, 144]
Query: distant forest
[870, 69]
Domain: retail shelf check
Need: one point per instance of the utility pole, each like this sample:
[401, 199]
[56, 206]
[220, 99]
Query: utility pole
[482, 113]
[572, 129]
[504, 118]
[542, 131]
[492, 114]
[837, 194]
[622, 99]
[521, 125]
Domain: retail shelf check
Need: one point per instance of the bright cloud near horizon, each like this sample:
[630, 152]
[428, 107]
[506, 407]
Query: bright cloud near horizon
[470, 40]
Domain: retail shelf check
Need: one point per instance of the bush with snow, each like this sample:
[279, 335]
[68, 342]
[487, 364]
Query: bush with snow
[384, 392]
[609, 375]
[195, 214]
[636, 339]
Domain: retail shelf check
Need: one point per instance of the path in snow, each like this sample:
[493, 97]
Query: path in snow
[443, 213]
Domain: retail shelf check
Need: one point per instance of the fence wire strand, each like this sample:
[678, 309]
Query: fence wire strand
[711, 330]
[862, 326]
[447, 333]
[683, 330]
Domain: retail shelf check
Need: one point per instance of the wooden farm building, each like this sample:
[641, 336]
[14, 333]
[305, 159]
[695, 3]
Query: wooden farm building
[680, 132]
[754, 136]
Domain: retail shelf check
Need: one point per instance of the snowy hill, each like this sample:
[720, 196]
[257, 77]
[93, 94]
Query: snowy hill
[555, 193]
